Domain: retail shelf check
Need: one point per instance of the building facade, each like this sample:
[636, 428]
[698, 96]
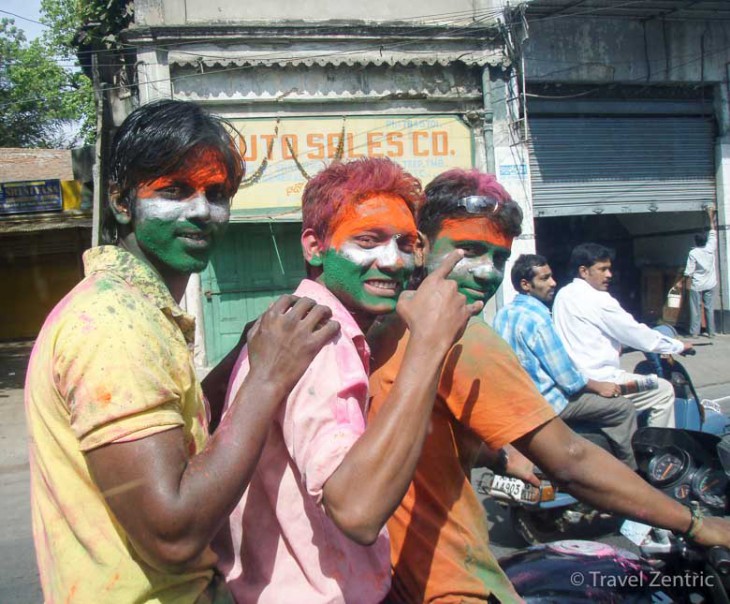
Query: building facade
[605, 122]
[305, 84]
[45, 225]
[625, 108]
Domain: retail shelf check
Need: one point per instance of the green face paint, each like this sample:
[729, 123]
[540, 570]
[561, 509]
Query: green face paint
[370, 257]
[364, 284]
[480, 273]
[180, 245]
[179, 218]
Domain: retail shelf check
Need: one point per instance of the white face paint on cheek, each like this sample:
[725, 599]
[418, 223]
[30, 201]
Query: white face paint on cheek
[159, 209]
[483, 269]
[480, 268]
[169, 210]
[220, 213]
[387, 255]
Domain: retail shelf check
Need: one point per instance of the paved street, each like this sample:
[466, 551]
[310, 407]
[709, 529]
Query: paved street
[18, 575]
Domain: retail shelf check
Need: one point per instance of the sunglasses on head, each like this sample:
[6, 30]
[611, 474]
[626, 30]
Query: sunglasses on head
[478, 204]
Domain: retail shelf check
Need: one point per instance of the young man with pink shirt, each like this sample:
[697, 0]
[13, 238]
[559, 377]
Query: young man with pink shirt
[310, 526]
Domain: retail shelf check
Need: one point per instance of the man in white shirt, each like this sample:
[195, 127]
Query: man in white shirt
[700, 271]
[594, 327]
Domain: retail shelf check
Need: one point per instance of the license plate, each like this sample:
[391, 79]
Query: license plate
[506, 485]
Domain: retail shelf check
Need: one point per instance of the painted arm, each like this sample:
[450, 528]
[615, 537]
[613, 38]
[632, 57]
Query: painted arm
[368, 485]
[172, 504]
[599, 479]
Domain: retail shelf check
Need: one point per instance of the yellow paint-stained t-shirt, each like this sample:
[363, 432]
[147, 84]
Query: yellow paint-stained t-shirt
[439, 539]
[111, 364]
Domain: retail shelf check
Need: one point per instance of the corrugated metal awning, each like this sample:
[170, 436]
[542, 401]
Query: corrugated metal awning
[325, 43]
[210, 56]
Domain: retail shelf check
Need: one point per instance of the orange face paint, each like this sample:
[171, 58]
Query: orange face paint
[385, 213]
[181, 215]
[476, 228]
[201, 170]
[480, 273]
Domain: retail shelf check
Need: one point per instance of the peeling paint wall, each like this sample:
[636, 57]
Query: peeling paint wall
[622, 50]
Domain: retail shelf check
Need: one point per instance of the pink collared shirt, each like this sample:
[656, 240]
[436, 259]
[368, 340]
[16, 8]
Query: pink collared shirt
[279, 545]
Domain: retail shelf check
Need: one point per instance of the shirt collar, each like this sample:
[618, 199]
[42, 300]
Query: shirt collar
[141, 276]
[320, 294]
[532, 303]
[587, 287]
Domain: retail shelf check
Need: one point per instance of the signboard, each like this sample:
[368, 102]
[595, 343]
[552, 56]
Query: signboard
[281, 154]
[30, 196]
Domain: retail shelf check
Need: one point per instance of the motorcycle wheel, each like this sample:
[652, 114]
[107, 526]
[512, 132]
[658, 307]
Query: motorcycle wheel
[537, 526]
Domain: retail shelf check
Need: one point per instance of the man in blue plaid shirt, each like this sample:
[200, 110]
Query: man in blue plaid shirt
[527, 326]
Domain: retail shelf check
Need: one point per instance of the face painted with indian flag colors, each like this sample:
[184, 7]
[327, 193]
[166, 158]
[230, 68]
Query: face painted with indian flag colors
[369, 256]
[486, 250]
[179, 217]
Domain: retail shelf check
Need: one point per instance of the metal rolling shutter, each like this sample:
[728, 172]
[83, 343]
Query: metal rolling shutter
[587, 165]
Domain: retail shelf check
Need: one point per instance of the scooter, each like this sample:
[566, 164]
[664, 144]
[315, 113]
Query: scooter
[540, 514]
[691, 467]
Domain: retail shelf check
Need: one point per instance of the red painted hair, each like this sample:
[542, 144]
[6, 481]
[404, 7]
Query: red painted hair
[344, 184]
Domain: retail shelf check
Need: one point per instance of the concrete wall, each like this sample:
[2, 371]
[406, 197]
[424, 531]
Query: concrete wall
[220, 12]
[589, 49]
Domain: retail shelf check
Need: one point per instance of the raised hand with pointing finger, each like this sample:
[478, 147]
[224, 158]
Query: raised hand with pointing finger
[436, 313]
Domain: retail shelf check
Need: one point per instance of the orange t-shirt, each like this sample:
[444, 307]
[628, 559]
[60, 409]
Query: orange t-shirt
[439, 536]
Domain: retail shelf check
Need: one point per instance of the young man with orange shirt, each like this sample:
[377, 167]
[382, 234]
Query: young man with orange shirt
[439, 541]
[310, 526]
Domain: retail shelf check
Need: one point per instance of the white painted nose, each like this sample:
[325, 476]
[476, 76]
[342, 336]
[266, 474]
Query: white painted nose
[199, 208]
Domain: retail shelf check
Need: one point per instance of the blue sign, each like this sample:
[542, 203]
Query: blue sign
[31, 196]
[513, 170]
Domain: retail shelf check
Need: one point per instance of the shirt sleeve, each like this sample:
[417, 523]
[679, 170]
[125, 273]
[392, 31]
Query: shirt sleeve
[711, 244]
[324, 415]
[553, 357]
[621, 326]
[116, 374]
[486, 388]
[690, 268]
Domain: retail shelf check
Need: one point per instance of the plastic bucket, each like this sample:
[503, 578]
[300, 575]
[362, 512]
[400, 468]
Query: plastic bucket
[673, 298]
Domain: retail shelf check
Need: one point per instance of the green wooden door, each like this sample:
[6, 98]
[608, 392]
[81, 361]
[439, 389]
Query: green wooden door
[253, 266]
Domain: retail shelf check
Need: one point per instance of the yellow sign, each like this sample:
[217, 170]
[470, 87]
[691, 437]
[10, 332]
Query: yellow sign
[282, 154]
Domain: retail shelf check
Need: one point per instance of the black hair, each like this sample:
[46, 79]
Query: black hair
[524, 268]
[447, 188]
[701, 239]
[155, 138]
[587, 254]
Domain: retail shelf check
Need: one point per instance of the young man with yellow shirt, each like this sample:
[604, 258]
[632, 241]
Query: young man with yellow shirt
[127, 486]
[438, 535]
